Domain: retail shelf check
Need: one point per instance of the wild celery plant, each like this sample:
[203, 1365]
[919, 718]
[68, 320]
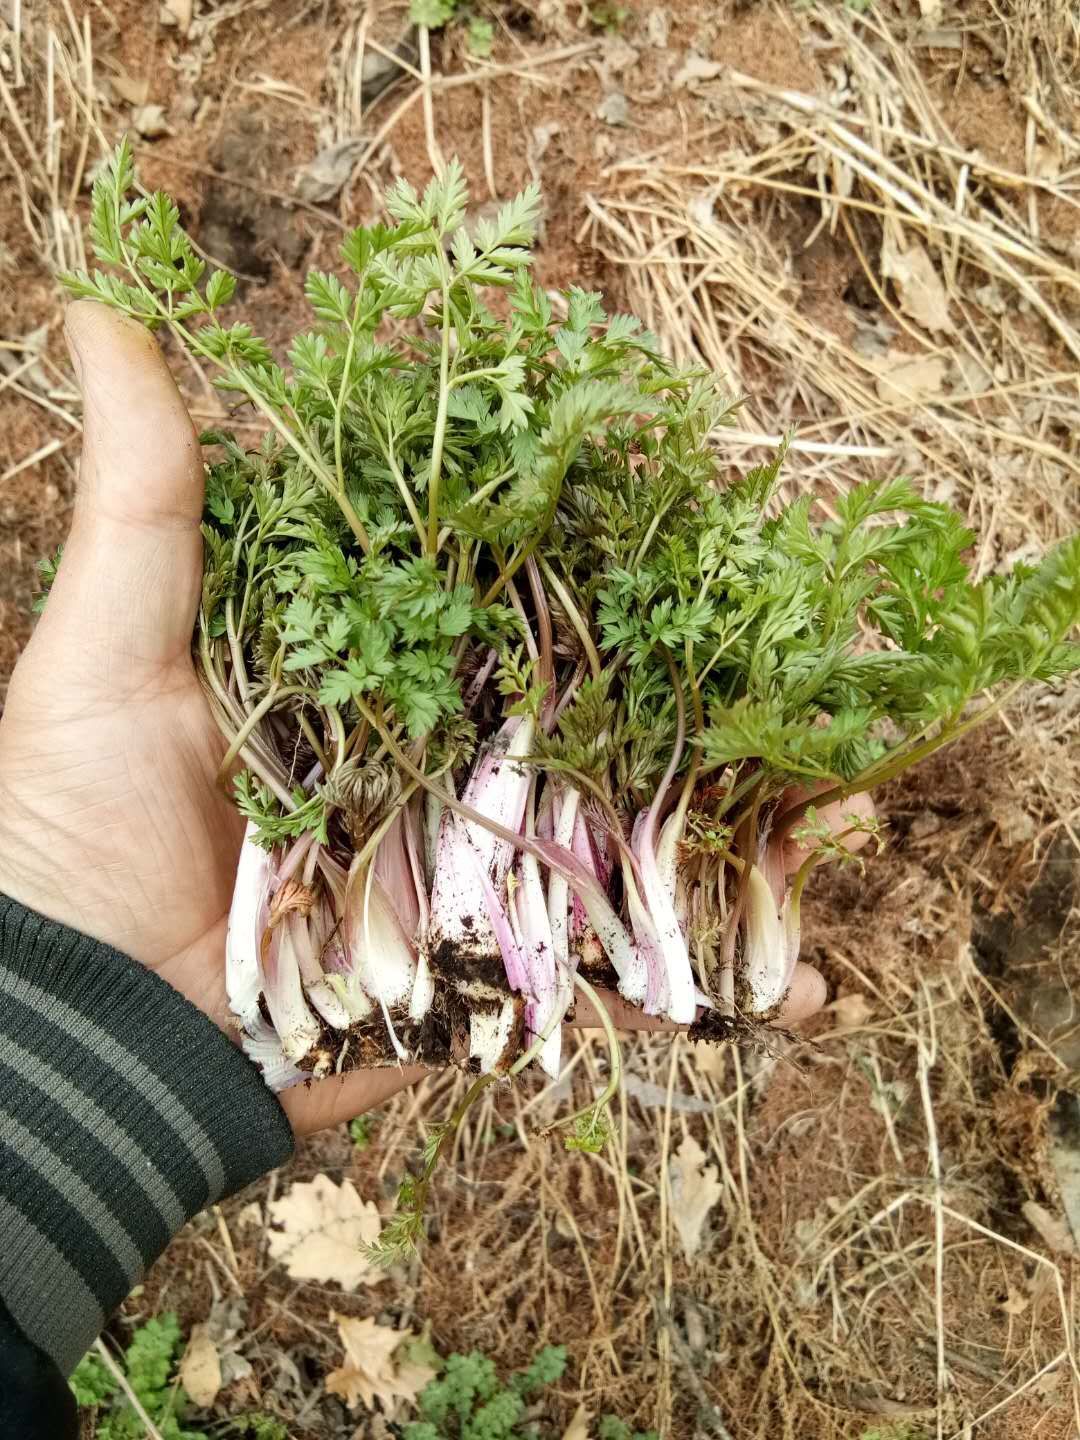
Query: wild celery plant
[522, 696]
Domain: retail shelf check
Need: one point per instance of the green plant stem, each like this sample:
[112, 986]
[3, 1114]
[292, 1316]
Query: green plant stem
[611, 1089]
[190, 338]
[483, 493]
[438, 438]
[570, 610]
[339, 407]
[314, 741]
[265, 705]
[449, 1130]
[337, 726]
[507, 573]
[263, 767]
[403, 488]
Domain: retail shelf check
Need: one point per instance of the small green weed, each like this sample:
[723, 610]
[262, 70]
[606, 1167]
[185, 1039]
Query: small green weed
[435, 14]
[361, 1131]
[608, 16]
[467, 1401]
[611, 1428]
[149, 1363]
[255, 1427]
[481, 37]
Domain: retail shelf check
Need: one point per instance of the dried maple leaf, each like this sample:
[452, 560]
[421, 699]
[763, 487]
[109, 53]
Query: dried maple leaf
[324, 1233]
[370, 1372]
[695, 1189]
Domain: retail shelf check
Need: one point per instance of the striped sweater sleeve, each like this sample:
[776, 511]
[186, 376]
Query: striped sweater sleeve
[123, 1112]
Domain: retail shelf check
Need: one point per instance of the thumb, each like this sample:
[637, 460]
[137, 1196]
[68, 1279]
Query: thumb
[124, 600]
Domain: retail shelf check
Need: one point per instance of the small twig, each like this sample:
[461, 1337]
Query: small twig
[393, 56]
[129, 1394]
[927, 1058]
[49, 448]
[806, 447]
[222, 1266]
[226, 1239]
[489, 156]
[435, 155]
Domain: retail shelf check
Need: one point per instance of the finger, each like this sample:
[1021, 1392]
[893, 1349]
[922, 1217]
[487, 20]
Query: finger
[125, 597]
[319, 1104]
[806, 995]
[835, 816]
[621, 1013]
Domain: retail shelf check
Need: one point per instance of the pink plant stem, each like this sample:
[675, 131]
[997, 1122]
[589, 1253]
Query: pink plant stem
[293, 860]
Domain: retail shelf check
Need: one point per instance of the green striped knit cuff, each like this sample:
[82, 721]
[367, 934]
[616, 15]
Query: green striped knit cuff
[123, 1112]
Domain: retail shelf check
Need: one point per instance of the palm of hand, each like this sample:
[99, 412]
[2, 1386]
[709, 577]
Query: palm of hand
[131, 819]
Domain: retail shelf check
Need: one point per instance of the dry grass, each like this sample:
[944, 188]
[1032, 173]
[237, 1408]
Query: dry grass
[863, 1289]
[720, 257]
[867, 1267]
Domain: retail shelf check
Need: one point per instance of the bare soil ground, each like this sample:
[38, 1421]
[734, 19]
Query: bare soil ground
[867, 218]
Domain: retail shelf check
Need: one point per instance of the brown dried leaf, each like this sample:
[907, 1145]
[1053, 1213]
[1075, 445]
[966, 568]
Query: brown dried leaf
[1051, 1229]
[918, 284]
[1017, 1302]
[200, 1369]
[658, 27]
[578, 1429]
[655, 1097]
[710, 1059]
[614, 109]
[369, 1372]
[150, 121]
[912, 380]
[324, 1231]
[694, 68]
[250, 1214]
[851, 1011]
[323, 177]
[1048, 161]
[133, 91]
[695, 1189]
